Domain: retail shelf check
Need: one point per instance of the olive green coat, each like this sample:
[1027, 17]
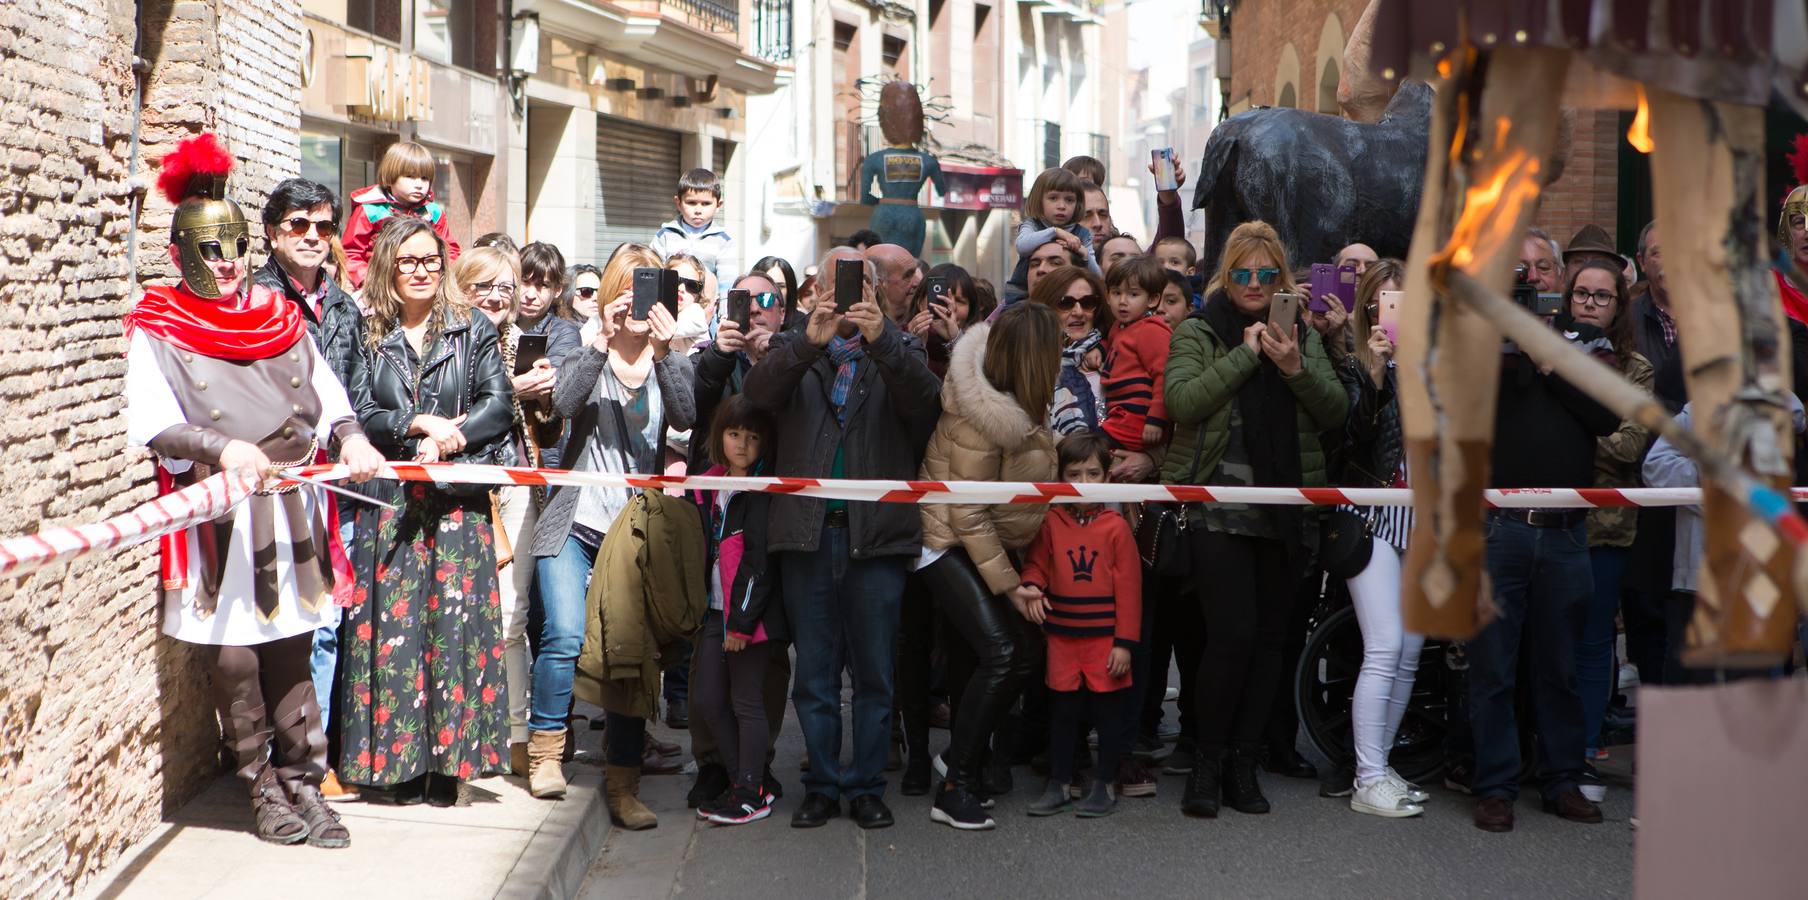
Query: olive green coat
[1203, 378]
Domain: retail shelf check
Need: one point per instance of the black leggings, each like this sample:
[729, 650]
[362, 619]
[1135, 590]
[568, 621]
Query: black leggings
[624, 739]
[916, 670]
[1005, 652]
[1109, 712]
[1180, 631]
[730, 691]
[1246, 587]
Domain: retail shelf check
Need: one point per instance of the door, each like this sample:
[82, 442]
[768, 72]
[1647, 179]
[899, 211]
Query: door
[637, 170]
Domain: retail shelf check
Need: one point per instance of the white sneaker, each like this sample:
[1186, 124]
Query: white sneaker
[1412, 791]
[940, 767]
[1382, 797]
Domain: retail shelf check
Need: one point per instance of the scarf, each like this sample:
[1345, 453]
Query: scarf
[846, 354]
[258, 326]
[1265, 402]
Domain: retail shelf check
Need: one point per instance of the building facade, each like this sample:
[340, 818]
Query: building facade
[104, 724]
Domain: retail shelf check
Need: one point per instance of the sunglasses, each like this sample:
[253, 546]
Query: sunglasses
[691, 284]
[213, 252]
[1089, 302]
[301, 225]
[586, 293]
[766, 299]
[408, 264]
[1267, 275]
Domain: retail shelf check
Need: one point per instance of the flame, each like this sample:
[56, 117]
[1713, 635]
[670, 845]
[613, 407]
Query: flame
[1639, 135]
[1491, 205]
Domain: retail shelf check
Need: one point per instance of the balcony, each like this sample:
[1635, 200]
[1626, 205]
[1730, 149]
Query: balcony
[772, 30]
[698, 38]
[1085, 12]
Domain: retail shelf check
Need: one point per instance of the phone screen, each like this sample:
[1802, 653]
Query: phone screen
[1389, 314]
[1165, 179]
[530, 349]
[1346, 286]
[850, 281]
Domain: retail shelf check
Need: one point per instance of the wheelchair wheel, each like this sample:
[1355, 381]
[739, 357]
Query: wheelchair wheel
[1326, 681]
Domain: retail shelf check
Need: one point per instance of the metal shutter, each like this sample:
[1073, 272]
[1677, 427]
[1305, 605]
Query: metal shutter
[723, 155]
[637, 171]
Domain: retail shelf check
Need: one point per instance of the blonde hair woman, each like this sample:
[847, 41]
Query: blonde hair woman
[417, 697]
[1248, 404]
[994, 427]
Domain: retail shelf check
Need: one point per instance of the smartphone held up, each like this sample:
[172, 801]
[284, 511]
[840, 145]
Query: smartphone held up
[1165, 179]
[850, 283]
[654, 286]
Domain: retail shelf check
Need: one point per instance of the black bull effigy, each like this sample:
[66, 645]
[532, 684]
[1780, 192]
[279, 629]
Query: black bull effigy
[1501, 72]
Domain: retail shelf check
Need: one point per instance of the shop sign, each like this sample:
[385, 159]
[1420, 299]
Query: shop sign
[384, 83]
[982, 187]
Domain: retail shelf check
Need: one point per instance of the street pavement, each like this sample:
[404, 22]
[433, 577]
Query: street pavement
[1307, 847]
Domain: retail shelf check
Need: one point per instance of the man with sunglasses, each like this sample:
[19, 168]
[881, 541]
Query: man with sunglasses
[300, 219]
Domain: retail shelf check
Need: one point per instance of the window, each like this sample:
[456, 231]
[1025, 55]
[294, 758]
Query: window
[892, 57]
[382, 18]
[1288, 98]
[772, 30]
[457, 32]
[321, 162]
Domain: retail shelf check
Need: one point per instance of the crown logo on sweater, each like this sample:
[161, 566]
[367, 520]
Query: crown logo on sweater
[1083, 564]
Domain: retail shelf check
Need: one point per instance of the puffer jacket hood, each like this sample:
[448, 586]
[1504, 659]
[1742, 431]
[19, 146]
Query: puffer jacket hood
[984, 435]
[990, 411]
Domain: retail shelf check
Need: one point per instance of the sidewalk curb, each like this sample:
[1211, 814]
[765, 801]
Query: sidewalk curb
[553, 864]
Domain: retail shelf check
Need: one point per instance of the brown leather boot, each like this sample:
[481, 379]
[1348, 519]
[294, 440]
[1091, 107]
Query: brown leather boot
[621, 792]
[545, 772]
[518, 760]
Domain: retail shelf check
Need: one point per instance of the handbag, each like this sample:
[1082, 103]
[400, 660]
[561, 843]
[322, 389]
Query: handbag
[1344, 544]
[1161, 534]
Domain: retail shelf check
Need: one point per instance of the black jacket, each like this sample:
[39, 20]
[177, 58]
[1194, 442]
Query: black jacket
[339, 329]
[891, 409]
[462, 375]
[719, 377]
[747, 603]
[1648, 331]
[1545, 428]
[1372, 442]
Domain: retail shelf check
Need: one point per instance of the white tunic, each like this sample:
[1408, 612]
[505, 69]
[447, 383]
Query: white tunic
[151, 409]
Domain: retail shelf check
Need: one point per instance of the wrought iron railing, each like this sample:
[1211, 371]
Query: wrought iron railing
[710, 15]
[772, 30]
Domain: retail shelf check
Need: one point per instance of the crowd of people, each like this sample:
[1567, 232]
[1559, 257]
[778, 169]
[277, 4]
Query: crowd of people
[465, 618]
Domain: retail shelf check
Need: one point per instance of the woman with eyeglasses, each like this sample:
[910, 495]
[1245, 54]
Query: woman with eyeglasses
[1597, 295]
[420, 664]
[487, 279]
[1248, 404]
[1078, 297]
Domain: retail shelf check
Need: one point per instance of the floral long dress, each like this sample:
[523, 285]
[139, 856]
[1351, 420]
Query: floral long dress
[421, 668]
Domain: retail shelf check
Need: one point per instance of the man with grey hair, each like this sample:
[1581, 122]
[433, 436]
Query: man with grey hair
[847, 391]
[898, 276]
[1543, 261]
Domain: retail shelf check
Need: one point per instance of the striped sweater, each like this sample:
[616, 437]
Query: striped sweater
[1090, 571]
[1132, 380]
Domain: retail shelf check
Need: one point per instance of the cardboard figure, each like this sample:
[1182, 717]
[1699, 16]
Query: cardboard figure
[900, 169]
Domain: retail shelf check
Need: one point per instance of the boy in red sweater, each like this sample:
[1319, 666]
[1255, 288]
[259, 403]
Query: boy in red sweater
[1082, 582]
[1138, 359]
[404, 188]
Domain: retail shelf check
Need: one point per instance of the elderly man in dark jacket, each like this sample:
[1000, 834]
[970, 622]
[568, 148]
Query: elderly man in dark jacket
[849, 392]
[300, 220]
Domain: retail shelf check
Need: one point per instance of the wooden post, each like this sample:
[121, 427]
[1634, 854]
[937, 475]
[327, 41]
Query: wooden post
[1706, 173]
[1472, 217]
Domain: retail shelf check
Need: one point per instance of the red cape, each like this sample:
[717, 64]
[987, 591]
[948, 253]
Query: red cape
[258, 326]
[1795, 303]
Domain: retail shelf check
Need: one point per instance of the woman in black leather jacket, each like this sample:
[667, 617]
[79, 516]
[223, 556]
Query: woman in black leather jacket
[421, 659]
[1390, 656]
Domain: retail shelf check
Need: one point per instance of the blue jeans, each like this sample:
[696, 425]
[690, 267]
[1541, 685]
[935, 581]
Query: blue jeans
[843, 611]
[1594, 654]
[561, 583]
[1542, 583]
[323, 664]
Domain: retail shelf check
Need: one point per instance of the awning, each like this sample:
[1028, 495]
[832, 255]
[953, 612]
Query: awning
[982, 187]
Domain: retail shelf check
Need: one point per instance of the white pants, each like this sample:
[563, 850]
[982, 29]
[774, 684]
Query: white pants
[1390, 659]
[515, 582]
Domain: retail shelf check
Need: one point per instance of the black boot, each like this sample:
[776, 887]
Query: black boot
[1202, 787]
[1241, 790]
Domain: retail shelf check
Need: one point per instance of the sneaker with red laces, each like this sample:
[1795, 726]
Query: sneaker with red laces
[1134, 778]
[738, 807]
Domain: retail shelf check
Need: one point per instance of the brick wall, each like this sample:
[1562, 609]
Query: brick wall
[104, 725]
[1588, 191]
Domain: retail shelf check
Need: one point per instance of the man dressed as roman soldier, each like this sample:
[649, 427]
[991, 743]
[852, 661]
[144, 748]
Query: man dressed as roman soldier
[1792, 237]
[221, 378]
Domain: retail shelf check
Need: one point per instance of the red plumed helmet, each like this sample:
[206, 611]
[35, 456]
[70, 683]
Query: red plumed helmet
[198, 165]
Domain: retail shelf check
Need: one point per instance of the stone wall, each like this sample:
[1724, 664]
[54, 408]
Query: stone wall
[104, 725]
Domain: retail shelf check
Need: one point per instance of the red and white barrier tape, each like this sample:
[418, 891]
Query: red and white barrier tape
[214, 497]
[202, 501]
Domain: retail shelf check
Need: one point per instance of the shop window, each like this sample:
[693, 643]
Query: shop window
[456, 32]
[322, 162]
[382, 18]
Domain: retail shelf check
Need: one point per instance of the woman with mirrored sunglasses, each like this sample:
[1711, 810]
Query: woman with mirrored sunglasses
[1078, 297]
[779, 272]
[1248, 405]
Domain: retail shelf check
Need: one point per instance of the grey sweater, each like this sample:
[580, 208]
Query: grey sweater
[579, 397]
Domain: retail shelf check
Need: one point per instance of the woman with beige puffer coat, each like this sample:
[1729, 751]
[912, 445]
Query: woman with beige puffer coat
[995, 402]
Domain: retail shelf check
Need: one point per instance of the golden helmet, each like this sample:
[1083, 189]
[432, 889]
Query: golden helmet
[1796, 204]
[207, 226]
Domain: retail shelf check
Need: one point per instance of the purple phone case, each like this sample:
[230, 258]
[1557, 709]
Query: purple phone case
[1346, 287]
[1324, 281]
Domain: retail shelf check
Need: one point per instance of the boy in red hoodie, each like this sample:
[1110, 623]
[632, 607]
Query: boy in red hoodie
[1082, 582]
[404, 188]
[1132, 380]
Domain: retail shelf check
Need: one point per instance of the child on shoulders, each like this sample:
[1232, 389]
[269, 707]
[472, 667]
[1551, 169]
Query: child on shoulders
[1137, 362]
[404, 188]
[1052, 213]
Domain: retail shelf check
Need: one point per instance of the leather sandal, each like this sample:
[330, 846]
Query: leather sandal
[324, 827]
[277, 821]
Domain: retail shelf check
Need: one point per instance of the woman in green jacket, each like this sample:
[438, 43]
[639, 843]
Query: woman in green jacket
[1248, 404]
